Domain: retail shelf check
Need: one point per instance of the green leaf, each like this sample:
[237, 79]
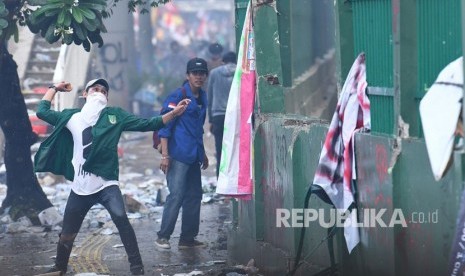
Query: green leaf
[3, 23]
[32, 27]
[37, 2]
[68, 39]
[78, 32]
[50, 33]
[93, 6]
[9, 31]
[35, 24]
[43, 32]
[86, 45]
[3, 13]
[48, 7]
[76, 40]
[100, 2]
[77, 14]
[89, 24]
[32, 19]
[61, 17]
[51, 13]
[155, 4]
[95, 37]
[16, 33]
[67, 20]
[100, 25]
[38, 22]
[88, 13]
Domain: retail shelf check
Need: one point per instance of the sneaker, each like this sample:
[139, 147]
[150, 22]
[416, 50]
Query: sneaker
[137, 269]
[54, 271]
[190, 244]
[163, 243]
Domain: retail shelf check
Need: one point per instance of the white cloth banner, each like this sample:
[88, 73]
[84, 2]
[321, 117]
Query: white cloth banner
[235, 174]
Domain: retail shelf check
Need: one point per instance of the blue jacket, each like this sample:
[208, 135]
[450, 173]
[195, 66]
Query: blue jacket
[185, 133]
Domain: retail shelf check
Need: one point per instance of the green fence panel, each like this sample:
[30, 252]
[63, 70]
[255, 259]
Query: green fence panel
[382, 113]
[372, 21]
[439, 40]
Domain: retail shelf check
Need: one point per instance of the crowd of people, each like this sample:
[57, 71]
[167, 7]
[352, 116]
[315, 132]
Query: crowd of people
[168, 74]
[180, 34]
[83, 148]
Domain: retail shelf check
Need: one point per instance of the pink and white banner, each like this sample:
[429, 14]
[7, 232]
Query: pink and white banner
[235, 175]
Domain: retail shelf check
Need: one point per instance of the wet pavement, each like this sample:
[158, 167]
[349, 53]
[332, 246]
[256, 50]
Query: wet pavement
[29, 250]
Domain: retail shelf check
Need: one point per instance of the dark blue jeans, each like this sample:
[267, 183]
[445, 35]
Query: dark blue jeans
[185, 185]
[76, 210]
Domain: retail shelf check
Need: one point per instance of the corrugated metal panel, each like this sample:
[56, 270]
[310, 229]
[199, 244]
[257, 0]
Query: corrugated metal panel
[382, 113]
[373, 35]
[439, 41]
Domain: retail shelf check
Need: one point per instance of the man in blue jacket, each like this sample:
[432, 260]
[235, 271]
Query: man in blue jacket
[183, 155]
[83, 148]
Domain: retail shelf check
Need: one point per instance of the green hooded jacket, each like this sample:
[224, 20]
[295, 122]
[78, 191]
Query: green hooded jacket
[55, 152]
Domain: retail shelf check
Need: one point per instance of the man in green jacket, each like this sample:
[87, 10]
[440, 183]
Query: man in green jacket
[83, 148]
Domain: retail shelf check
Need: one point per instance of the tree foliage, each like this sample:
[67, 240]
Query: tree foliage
[71, 21]
[144, 4]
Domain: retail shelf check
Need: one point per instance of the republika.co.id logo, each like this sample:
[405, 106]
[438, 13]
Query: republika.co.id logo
[342, 218]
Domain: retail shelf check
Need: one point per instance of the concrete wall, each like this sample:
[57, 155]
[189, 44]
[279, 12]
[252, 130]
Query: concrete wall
[21, 51]
[287, 150]
[111, 61]
[314, 93]
[392, 175]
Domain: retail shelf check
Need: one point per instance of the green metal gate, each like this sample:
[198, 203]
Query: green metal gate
[373, 35]
[439, 41]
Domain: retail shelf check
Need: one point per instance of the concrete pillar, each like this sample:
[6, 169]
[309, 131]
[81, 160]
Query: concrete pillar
[111, 60]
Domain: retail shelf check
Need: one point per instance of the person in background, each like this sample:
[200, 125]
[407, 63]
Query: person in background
[215, 50]
[183, 155]
[170, 68]
[219, 85]
[83, 148]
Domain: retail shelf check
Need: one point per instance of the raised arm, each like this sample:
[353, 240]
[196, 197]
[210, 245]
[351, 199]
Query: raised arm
[58, 87]
[43, 111]
[177, 111]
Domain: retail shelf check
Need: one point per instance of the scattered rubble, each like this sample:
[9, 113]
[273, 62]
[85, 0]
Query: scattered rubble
[249, 270]
[50, 217]
[144, 191]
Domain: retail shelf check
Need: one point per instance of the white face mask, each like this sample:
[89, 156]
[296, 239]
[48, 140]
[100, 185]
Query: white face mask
[97, 98]
[95, 102]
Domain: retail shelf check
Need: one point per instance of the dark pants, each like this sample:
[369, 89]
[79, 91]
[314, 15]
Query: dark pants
[185, 186]
[217, 130]
[75, 212]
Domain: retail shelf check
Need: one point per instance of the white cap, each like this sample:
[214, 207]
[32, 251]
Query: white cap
[97, 81]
